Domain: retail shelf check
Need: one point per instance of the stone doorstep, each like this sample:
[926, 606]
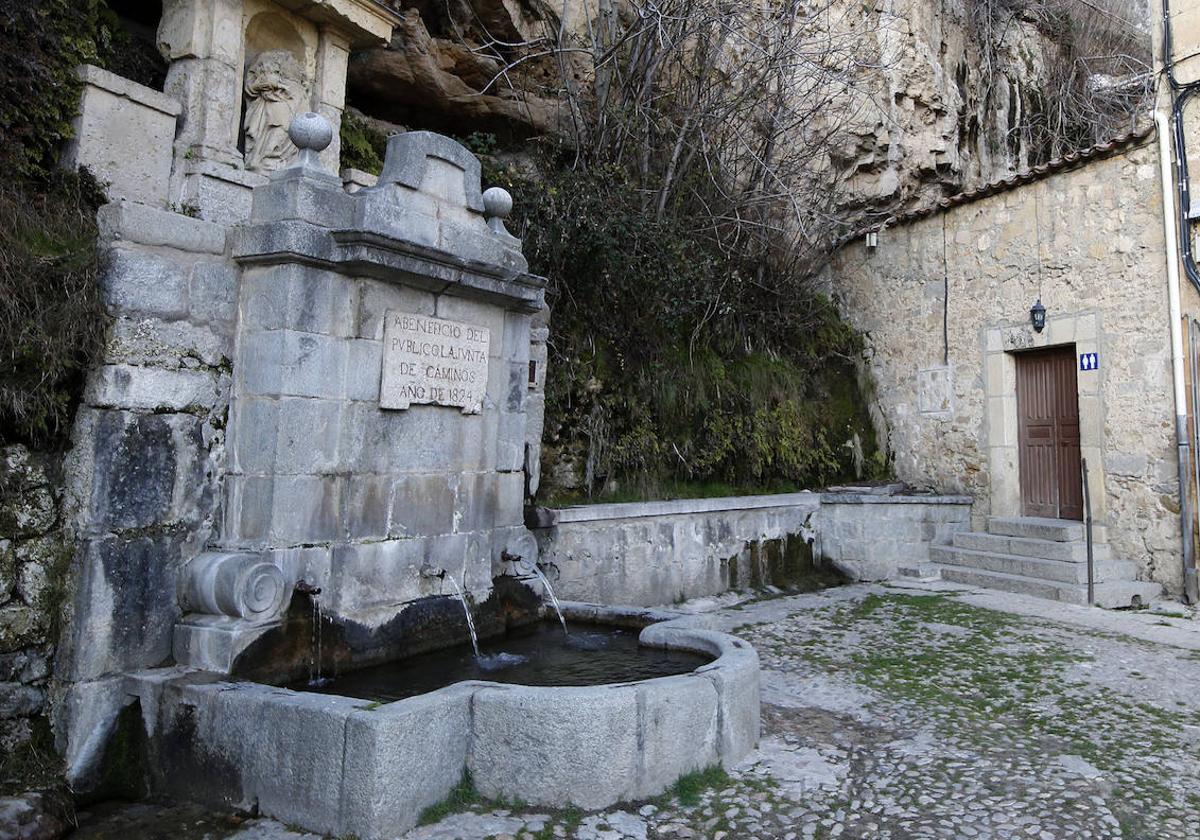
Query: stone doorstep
[1027, 547]
[1111, 594]
[1038, 528]
[1037, 568]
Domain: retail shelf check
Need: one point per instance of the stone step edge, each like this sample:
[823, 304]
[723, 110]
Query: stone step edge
[939, 551]
[1079, 590]
[997, 526]
[923, 572]
[1031, 542]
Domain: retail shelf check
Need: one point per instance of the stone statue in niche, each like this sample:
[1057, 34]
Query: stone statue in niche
[275, 92]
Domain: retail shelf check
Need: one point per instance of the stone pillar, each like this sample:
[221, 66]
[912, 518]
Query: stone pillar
[203, 43]
[539, 334]
[329, 91]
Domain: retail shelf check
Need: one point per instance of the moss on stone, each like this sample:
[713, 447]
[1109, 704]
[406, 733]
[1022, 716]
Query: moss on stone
[363, 146]
[34, 764]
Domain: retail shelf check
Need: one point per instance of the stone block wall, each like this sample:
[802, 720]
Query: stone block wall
[653, 553]
[32, 555]
[656, 553]
[880, 537]
[143, 476]
[372, 503]
[116, 115]
[944, 303]
[354, 499]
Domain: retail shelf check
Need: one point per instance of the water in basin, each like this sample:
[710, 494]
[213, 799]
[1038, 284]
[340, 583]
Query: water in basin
[539, 654]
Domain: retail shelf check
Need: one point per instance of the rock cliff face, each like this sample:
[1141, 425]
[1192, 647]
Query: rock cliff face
[948, 94]
[449, 85]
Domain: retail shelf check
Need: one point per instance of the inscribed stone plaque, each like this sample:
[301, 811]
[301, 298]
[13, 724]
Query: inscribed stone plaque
[430, 361]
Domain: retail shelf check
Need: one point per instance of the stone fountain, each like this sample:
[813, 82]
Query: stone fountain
[378, 420]
[383, 428]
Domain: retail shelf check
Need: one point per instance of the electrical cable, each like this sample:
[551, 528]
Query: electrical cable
[1180, 94]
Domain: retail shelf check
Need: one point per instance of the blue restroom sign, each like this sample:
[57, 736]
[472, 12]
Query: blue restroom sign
[1089, 361]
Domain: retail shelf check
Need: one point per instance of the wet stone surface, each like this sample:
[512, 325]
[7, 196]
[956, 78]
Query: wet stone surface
[902, 713]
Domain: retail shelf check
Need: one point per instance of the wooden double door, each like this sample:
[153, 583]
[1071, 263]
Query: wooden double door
[1048, 437]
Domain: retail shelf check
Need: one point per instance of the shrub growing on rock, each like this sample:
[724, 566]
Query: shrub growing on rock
[674, 370]
[51, 310]
[51, 318]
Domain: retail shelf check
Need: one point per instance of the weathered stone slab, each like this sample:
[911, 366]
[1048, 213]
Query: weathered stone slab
[679, 729]
[402, 758]
[553, 746]
[115, 117]
[432, 361]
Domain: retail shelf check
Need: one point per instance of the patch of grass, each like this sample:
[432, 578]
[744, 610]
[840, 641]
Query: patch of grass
[568, 819]
[460, 798]
[687, 789]
[465, 797]
[571, 817]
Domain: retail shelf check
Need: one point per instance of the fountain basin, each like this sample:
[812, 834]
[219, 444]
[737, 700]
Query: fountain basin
[340, 765]
[537, 654]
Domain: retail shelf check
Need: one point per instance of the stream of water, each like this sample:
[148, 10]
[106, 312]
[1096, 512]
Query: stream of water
[553, 600]
[314, 669]
[466, 611]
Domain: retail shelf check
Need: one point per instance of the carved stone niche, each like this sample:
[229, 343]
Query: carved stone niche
[241, 69]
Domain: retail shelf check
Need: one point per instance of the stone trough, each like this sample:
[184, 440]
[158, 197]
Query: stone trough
[343, 766]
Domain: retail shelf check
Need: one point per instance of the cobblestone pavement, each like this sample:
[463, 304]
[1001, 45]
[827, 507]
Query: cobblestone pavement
[923, 713]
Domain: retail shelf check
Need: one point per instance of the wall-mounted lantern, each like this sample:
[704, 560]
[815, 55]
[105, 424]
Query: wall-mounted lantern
[872, 239]
[1037, 316]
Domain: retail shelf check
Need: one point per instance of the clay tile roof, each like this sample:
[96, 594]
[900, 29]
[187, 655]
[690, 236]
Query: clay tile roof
[1028, 176]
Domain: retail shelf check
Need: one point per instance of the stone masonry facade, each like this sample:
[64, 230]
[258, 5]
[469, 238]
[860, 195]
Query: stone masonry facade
[944, 301]
[236, 422]
[143, 476]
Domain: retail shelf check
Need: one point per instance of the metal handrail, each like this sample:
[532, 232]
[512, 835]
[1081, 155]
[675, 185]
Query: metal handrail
[1087, 521]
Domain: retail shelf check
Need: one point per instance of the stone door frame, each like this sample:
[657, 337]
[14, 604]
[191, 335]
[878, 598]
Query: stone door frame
[1001, 439]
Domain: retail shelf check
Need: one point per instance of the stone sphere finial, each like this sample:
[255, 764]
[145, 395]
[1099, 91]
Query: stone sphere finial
[310, 131]
[497, 203]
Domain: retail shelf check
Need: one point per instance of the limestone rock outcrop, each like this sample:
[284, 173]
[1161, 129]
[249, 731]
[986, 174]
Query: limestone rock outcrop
[441, 84]
[947, 95]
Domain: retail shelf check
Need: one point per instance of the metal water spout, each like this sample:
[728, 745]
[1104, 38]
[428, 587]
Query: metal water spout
[306, 588]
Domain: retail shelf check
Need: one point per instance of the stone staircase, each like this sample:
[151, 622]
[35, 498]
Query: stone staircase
[1045, 558]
